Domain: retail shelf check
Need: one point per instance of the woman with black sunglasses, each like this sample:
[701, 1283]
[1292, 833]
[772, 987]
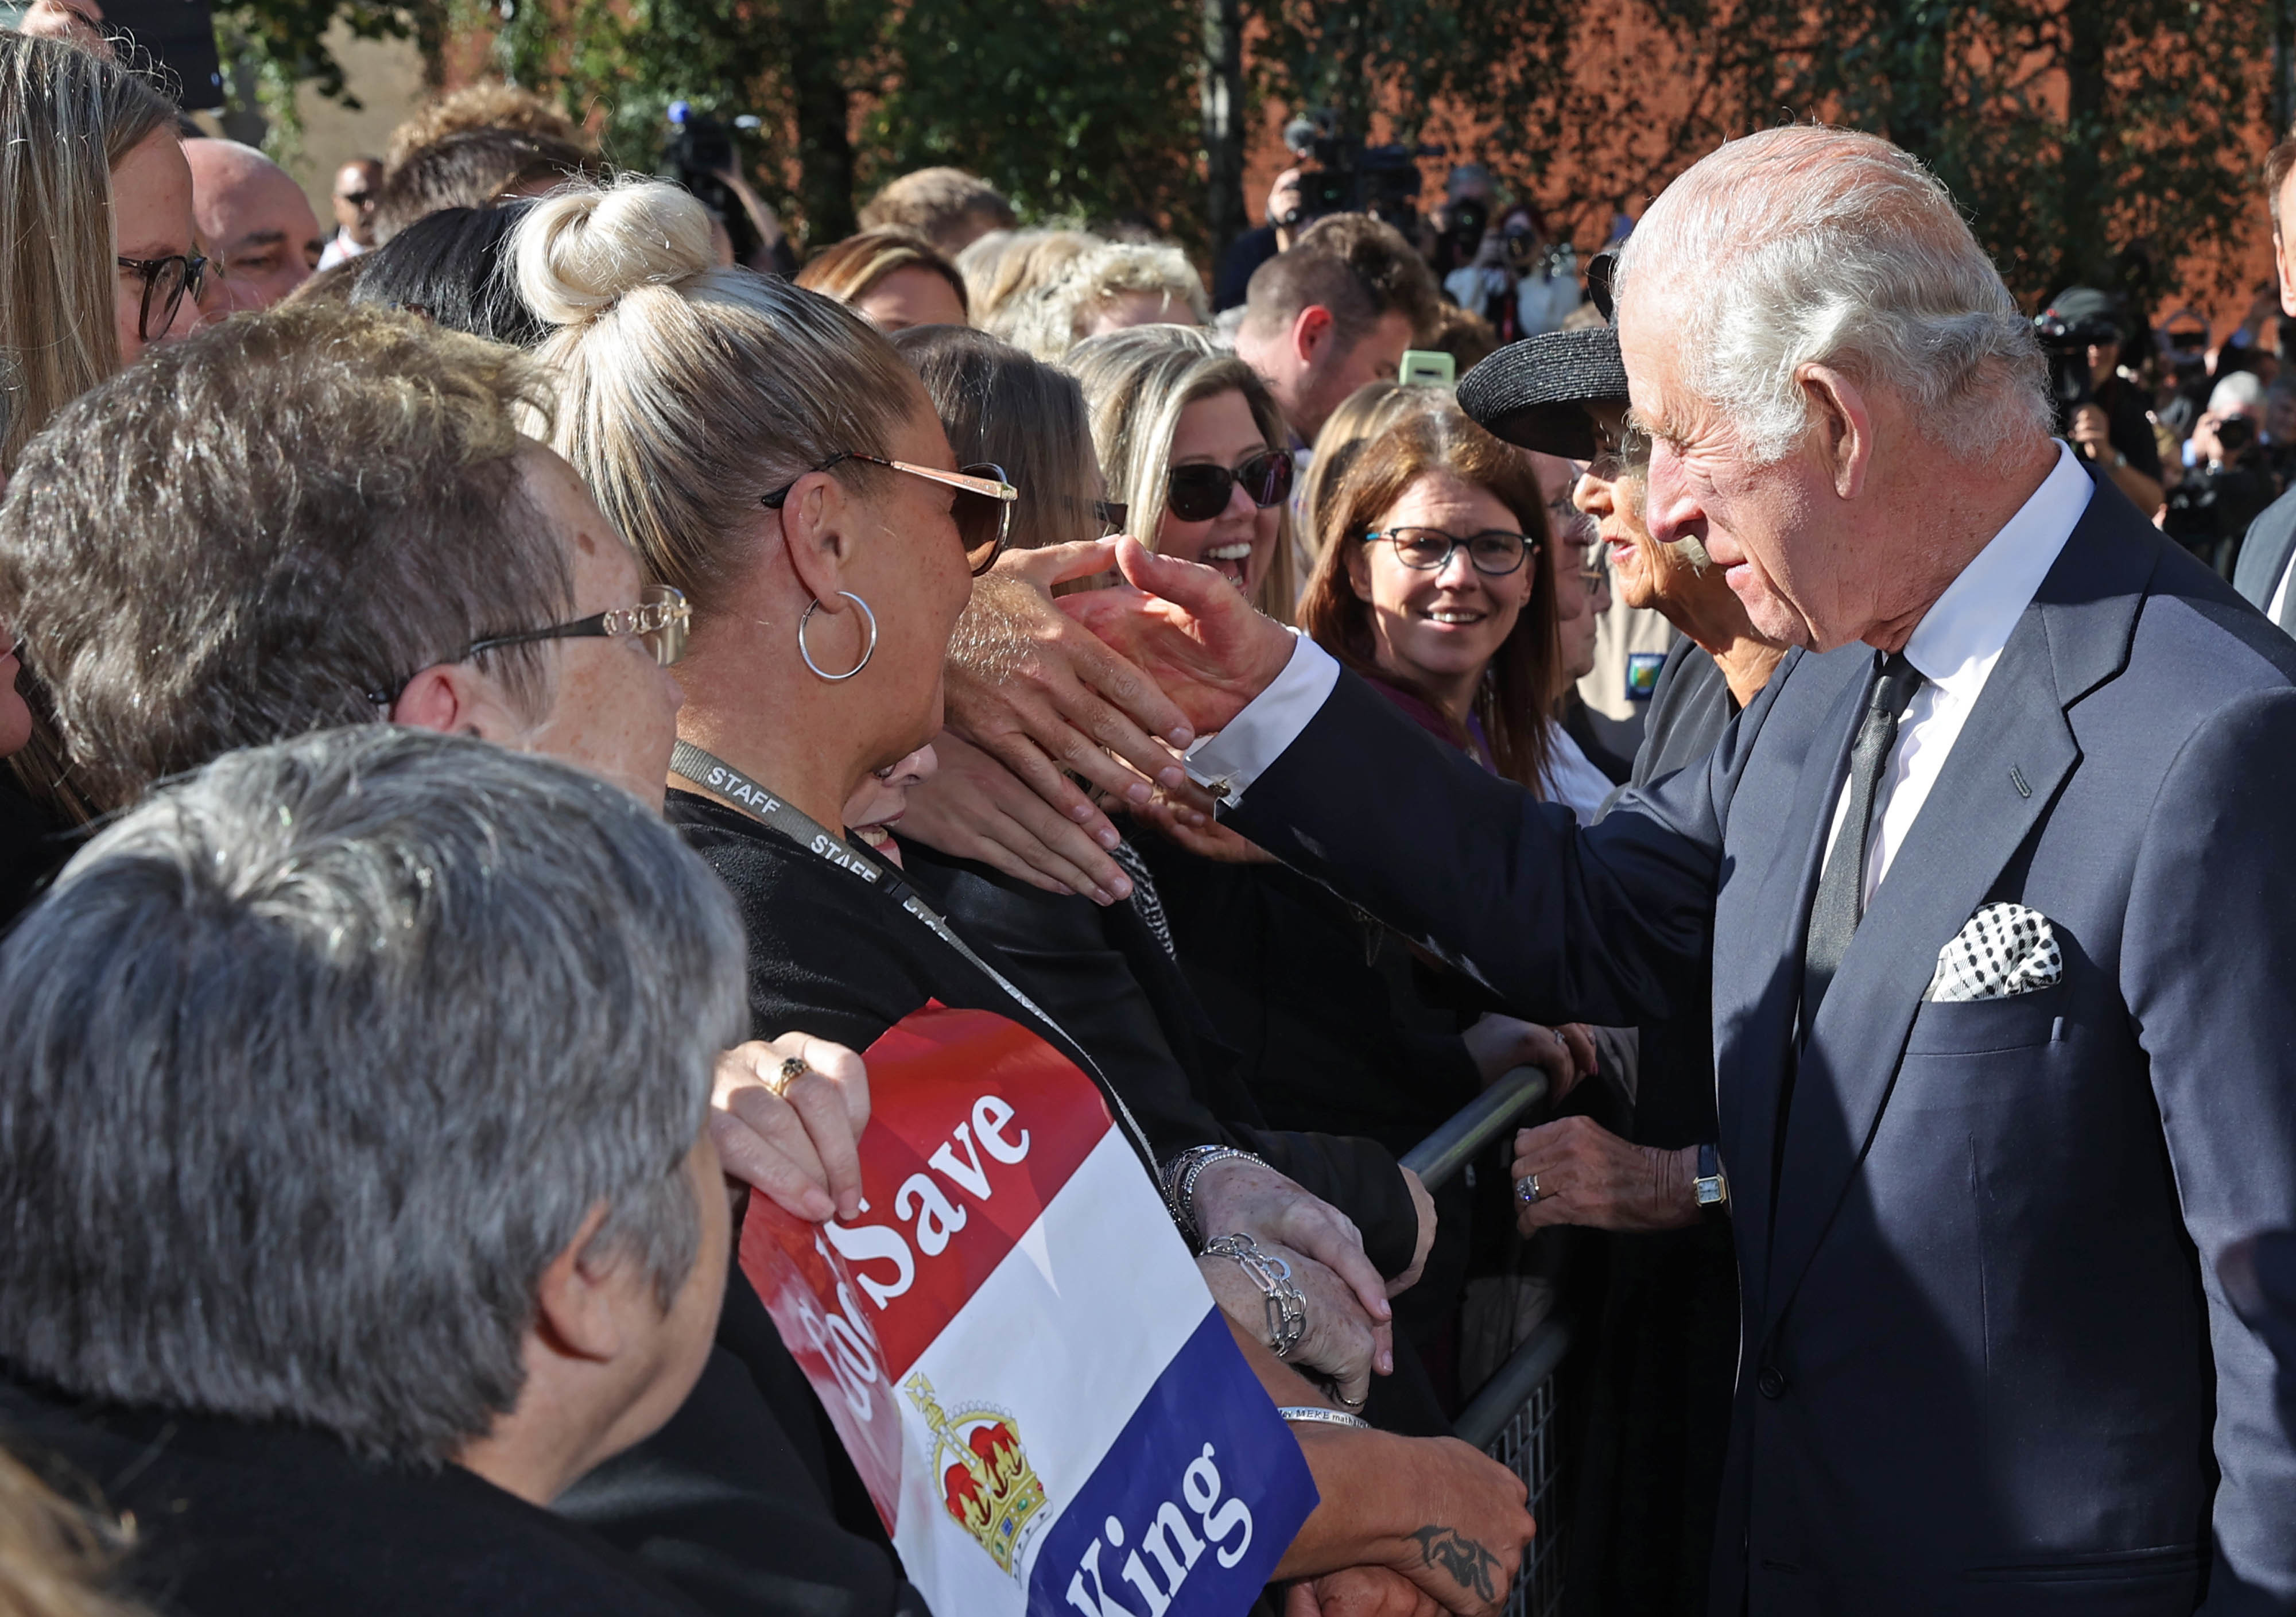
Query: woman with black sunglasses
[1192, 443]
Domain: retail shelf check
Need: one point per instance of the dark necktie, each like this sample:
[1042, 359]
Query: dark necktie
[1841, 900]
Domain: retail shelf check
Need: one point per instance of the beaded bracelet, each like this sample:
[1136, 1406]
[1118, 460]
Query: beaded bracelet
[1180, 1184]
[1287, 1310]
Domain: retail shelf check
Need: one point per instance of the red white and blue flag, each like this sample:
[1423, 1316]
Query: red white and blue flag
[1019, 1352]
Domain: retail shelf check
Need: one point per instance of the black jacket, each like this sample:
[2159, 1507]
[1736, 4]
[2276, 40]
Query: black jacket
[1106, 977]
[236, 1520]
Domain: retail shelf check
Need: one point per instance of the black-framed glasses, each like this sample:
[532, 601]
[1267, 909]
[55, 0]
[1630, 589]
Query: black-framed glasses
[983, 509]
[660, 620]
[1198, 491]
[1112, 515]
[1602, 276]
[1495, 553]
[166, 282]
[1623, 454]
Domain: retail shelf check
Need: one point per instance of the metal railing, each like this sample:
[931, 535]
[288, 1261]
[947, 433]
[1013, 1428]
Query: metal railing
[1512, 1416]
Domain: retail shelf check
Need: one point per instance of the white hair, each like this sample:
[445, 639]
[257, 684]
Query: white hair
[1807, 245]
[1060, 312]
[2241, 390]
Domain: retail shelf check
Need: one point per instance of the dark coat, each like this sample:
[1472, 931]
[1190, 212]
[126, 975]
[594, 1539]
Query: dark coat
[2264, 556]
[1987, 1365]
[234, 1519]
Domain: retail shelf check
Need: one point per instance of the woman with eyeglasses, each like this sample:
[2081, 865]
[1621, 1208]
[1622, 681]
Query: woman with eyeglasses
[1192, 443]
[96, 198]
[768, 453]
[96, 204]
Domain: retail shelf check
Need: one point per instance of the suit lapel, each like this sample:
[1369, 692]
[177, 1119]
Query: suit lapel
[2013, 754]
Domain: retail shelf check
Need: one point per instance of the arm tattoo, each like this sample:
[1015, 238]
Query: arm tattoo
[1470, 1566]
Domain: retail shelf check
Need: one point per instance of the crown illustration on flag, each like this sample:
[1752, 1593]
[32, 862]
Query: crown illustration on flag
[986, 1479]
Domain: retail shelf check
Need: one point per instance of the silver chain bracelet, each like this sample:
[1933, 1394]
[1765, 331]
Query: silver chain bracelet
[1180, 1184]
[1287, 1310]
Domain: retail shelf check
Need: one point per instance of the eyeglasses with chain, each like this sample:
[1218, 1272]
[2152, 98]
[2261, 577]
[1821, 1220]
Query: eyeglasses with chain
[659, 620]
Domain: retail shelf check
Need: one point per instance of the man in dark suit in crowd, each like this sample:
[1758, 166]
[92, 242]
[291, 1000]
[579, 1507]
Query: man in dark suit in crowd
[2264, 570]
[1995, 872]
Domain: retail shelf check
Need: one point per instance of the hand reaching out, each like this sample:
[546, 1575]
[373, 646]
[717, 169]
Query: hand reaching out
[1189, 630]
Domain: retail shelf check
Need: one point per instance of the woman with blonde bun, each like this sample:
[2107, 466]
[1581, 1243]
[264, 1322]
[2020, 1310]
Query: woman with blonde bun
[769, 453]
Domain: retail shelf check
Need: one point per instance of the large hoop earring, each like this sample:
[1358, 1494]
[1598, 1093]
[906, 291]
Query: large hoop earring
[867, 650]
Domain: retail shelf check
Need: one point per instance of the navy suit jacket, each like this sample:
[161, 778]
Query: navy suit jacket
[1986, 1364]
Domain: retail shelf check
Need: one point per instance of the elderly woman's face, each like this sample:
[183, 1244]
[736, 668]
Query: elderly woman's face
[1240, 541]
[1613, 498]
[1443, 626]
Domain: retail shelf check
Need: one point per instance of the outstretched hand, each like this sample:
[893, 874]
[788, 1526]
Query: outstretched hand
[1189, 629]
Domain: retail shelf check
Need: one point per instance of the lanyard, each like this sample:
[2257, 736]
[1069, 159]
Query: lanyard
[707, 770]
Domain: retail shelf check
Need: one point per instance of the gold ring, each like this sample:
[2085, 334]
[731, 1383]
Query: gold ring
[793, 1068]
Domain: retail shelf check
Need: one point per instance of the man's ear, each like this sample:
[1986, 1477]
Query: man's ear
[2287, 272]
[816, 531]
[1842, 419]
[577, 1311]
[454, 699]
[1313, 330]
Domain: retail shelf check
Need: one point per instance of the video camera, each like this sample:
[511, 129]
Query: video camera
[698, 154]
[2079, 320]
[1340, 175]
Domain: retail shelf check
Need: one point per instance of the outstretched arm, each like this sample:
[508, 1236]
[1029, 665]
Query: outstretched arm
[1607, 926]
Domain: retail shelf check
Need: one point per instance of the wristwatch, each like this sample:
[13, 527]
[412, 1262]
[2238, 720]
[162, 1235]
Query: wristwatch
[1712, 1188]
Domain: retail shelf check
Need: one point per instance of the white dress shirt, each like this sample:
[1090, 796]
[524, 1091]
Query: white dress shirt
[1955, 647]
[339, 249]
[2278, 610]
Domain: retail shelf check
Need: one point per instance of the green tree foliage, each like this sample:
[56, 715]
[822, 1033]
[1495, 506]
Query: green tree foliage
[2097, 140]
[1069, 107]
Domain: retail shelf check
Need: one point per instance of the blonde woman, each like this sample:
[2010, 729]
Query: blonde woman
[95, 202]
[1192, 445]
[891, 278]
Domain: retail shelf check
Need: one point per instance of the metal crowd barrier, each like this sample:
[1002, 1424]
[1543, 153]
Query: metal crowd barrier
[1512, 1417]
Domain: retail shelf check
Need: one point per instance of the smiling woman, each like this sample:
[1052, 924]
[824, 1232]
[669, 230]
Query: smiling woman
[1192, 445]
[1434, 586]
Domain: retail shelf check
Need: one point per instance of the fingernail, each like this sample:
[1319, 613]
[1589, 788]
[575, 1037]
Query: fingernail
[1121, 887]
[1080, 813]
[1139, 791]
[1101, 898]
[1181, 737]
[1108, 837]
[1174, 778]
[1196, 816]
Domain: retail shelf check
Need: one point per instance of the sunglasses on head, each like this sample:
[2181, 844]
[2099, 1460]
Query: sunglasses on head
[1602, 276]
[1198, 491]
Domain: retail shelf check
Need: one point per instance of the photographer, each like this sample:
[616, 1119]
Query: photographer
[2230, 481]
[2107, 421]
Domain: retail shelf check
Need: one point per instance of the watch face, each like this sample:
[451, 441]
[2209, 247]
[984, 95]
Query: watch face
[1710, 1192]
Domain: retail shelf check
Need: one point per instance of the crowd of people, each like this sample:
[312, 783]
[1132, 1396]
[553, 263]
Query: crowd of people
[462, 660]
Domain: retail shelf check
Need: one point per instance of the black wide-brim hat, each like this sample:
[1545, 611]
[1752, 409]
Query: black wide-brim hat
[1534, 392]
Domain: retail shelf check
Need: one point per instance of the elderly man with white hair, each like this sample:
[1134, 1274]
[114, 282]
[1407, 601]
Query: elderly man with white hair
[1996, 872]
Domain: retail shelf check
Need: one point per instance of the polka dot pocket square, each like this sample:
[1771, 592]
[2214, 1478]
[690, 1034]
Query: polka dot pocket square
[2004, 949]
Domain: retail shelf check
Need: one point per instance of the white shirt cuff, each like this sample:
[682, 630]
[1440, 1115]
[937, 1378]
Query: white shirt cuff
[1227, 764]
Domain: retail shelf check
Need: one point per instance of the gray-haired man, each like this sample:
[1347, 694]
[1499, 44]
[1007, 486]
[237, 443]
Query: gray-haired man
[1996, 872]
[357, 1187]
